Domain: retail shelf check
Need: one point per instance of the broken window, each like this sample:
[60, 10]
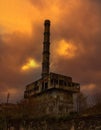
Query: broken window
[36, 88]
[56, 81]
[65, 84]
[42, 86]
[69, 84]
[61, 82]
[46, 85]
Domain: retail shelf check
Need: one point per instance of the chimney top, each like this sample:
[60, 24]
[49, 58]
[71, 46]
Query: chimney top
[47, 22]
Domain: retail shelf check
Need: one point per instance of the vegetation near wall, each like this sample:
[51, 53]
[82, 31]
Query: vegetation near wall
[32, 113]
[35, 108]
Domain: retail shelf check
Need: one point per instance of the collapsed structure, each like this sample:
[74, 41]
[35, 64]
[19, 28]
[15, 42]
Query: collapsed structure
[54, 90]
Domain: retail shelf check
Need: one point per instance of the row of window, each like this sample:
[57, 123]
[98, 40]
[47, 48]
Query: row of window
[62, 83]
[36, 88]
[53, 82]
[44, 86]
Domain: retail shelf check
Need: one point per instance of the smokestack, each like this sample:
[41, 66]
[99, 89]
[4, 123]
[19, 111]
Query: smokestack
[46, 49]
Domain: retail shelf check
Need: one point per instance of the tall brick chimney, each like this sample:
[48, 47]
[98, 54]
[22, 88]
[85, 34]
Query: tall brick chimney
[46, 49]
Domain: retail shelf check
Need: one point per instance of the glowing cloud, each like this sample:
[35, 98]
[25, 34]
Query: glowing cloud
[66, 49]
[75, 38]
[16, 15]
[88, 88]
[29, 65]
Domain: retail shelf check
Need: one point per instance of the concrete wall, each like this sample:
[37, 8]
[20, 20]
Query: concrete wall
[55, 102]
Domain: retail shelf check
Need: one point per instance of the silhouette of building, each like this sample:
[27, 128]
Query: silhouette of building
[54, 91]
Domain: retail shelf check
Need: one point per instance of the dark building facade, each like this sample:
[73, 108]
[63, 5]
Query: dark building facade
[54, 90]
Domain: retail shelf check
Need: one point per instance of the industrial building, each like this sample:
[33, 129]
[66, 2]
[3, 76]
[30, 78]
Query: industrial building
[54, 90]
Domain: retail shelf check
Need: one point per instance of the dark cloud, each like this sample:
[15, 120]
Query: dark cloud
[15, 49]
[83, 27]
[80, 23]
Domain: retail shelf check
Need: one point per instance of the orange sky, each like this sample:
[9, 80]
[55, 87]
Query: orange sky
[19, 15]
[75, 28]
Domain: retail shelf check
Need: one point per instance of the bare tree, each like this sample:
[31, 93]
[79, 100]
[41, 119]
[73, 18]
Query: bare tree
[81, 102]
[96, 107]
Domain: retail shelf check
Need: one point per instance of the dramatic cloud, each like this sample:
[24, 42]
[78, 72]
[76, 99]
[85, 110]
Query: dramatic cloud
[75, 42]
[29, 65]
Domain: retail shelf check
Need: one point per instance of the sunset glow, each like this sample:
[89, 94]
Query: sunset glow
[16, 15]
[20, 15]
[75, 37]
[29, 65]
[66, 49]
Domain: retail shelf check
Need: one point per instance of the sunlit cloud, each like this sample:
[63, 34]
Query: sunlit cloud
[16, 16]
[21, 15]
[66, 49]
[88, 88]
[75, 41]
[31, 63]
